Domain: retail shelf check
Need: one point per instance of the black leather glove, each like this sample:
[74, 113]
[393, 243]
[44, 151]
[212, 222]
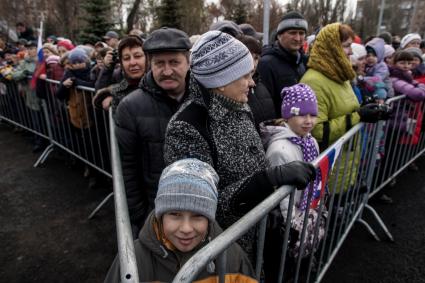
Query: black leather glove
[373, 112]
[296, 173]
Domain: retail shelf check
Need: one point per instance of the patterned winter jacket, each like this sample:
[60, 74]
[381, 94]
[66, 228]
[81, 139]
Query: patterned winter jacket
[230, 143]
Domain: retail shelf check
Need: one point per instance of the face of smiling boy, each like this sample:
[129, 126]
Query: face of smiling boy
[184, 229]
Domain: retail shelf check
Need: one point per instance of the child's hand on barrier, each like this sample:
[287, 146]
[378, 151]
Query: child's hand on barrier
[106, 103]
[68, 82]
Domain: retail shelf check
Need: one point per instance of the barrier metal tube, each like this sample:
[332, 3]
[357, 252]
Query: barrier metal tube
[193, 266]
[127, 257]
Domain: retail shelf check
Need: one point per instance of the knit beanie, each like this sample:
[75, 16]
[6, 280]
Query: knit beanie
[187, 185]
[89, 50]
[298, 100]
[389, 50]
[218, 59]
[416, 52]
[77, 55]
[51, 48]
[358, 51]
[292, 20]
[408, 38]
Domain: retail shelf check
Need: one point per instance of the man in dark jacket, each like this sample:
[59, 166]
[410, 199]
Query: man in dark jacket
[282, 64]
[143, 115]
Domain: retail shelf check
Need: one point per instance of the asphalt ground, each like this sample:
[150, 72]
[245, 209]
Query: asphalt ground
[45, 235]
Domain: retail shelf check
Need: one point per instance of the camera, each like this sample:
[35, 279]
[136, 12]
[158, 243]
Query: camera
[115, 57]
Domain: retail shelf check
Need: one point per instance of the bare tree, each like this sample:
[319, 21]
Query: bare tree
[132, 15]
[257, 14]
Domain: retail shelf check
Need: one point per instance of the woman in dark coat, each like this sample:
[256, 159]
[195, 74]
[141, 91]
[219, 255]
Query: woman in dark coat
[216, 126]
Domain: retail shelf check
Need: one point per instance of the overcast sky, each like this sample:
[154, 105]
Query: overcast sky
[351, 3]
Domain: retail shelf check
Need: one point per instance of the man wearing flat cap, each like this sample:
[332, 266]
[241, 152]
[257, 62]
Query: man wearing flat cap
[282, 64]
[143, 115]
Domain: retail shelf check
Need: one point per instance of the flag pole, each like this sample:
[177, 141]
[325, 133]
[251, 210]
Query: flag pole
[40, 41]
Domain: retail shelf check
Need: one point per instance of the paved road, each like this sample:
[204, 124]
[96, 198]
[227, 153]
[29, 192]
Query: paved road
[363, 260]
[45, 235]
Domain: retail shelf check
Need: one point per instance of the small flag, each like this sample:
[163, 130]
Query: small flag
[40, 67]
[40, 43]
[325, 166]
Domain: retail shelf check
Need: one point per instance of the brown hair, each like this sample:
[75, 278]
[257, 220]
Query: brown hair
[345, 32]
[402, 56]
[130, 41]
[251, 43]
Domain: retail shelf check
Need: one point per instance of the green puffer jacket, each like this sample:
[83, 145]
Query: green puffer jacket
[338, 107]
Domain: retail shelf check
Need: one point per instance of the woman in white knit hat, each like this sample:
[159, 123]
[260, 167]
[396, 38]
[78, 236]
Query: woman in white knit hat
[410, 40]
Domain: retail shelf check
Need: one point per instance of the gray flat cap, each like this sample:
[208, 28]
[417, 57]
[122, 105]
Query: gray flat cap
[167, 39]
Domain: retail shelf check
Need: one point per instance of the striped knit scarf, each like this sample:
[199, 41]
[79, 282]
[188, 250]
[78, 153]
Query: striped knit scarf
[310, 152]
[328, 57]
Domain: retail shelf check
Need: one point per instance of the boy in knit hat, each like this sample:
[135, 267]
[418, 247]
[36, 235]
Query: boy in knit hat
[183, 222]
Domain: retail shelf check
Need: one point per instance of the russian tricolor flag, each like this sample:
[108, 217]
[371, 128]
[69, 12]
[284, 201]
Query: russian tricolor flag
[40, 66]
[40, 43]
[325, 166]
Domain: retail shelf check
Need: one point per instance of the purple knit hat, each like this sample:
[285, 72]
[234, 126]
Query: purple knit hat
[298, 100]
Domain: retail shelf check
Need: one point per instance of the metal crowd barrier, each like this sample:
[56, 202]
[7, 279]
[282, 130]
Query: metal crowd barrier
[355, 168]
[48, 119]
[126, 254]
[366, 159]
[91, 145]
[403, 140]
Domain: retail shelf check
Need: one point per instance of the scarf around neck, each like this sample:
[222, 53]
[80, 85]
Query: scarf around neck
[310, 152]
[328, 57]
[400, 74]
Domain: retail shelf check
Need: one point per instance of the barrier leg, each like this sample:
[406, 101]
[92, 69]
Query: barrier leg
[369, 229]
[260, 247]
[100, 205]
[44, 156]
[380, 222]
[222, 263]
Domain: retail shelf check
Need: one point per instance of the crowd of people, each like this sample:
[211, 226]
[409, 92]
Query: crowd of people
[208, 126]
